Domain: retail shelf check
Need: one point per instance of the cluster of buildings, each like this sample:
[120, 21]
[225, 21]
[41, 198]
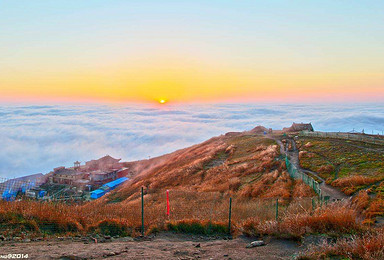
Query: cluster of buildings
[93, 174]
[77, 182]
[295, 127]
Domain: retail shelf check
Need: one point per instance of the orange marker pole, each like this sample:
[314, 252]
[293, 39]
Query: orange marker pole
[168, 203]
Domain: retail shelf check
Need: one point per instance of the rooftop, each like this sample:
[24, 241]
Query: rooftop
[98, 191]
[66, 171]
[100, 172]
[116, 182]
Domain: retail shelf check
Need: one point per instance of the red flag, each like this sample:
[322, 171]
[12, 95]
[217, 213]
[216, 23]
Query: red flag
[168, 203]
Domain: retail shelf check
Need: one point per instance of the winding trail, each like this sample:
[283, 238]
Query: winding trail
[326, 190]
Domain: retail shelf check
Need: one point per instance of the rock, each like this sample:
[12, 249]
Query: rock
[27, 240]
[107, 254]
[107, 237]
[127, 239]
[198, 245]
[17, 238]
[255, 244]
[307, 145]
[94, 239]
[3, 238]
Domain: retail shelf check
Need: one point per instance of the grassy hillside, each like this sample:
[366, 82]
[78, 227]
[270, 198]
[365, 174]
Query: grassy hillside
[356, 168]
[245, 167]
[201, 179]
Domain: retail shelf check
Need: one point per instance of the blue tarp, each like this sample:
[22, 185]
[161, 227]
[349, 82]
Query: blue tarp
[107, 187]
[42, 193]
[97, 194]
[9, 195]
[14, 186]
[113, 184]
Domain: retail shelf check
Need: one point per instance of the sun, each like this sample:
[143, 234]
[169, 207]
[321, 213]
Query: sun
[162, 101]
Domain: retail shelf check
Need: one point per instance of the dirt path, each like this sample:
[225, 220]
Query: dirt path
[164, 246]
[326, 190]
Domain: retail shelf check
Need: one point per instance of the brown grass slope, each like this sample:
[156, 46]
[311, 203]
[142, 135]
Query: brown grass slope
[244, 166]
[200, 178]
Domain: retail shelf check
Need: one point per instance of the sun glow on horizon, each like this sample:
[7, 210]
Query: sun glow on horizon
[184, 52]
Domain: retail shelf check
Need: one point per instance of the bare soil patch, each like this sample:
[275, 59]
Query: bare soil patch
[162, 246]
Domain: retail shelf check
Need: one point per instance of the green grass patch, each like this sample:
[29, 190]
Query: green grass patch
[347, 157]
[198, 228]
[112, 228]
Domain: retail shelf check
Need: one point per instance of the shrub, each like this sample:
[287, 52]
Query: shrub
[198, 227]
[112, 227]
[376, 208]
[361, 200]
[351, 184]
[302, 190]
[326, 169]
[369, 246]
[335, 219]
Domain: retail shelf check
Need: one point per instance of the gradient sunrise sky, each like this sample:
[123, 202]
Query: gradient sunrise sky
[188, 51]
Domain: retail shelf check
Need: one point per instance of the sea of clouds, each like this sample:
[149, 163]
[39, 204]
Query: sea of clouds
[36, 139]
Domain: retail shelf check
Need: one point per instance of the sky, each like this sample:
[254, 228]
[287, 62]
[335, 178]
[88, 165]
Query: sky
[38, 138]
[191, 51]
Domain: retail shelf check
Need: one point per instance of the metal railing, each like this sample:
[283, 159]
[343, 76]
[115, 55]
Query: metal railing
[297, 174]
[348, 136]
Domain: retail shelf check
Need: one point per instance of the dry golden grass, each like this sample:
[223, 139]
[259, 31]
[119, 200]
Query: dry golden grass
[302, 190]
[376, 208]
[241, 165]
[361, 200]
[350, 184]
[369, 246]
[326, 169]
[200, 179]
[334, 219]
[212, 207]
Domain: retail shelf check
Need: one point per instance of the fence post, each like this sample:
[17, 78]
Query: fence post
[230, 216]
[142, 211]
[277, 209]
[313, 204]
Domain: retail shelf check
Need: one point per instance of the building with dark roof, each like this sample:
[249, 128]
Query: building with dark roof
[299, 127]
[100, 177]
[63, 175]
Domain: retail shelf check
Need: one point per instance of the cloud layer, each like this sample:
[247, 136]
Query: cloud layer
[37, 138]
